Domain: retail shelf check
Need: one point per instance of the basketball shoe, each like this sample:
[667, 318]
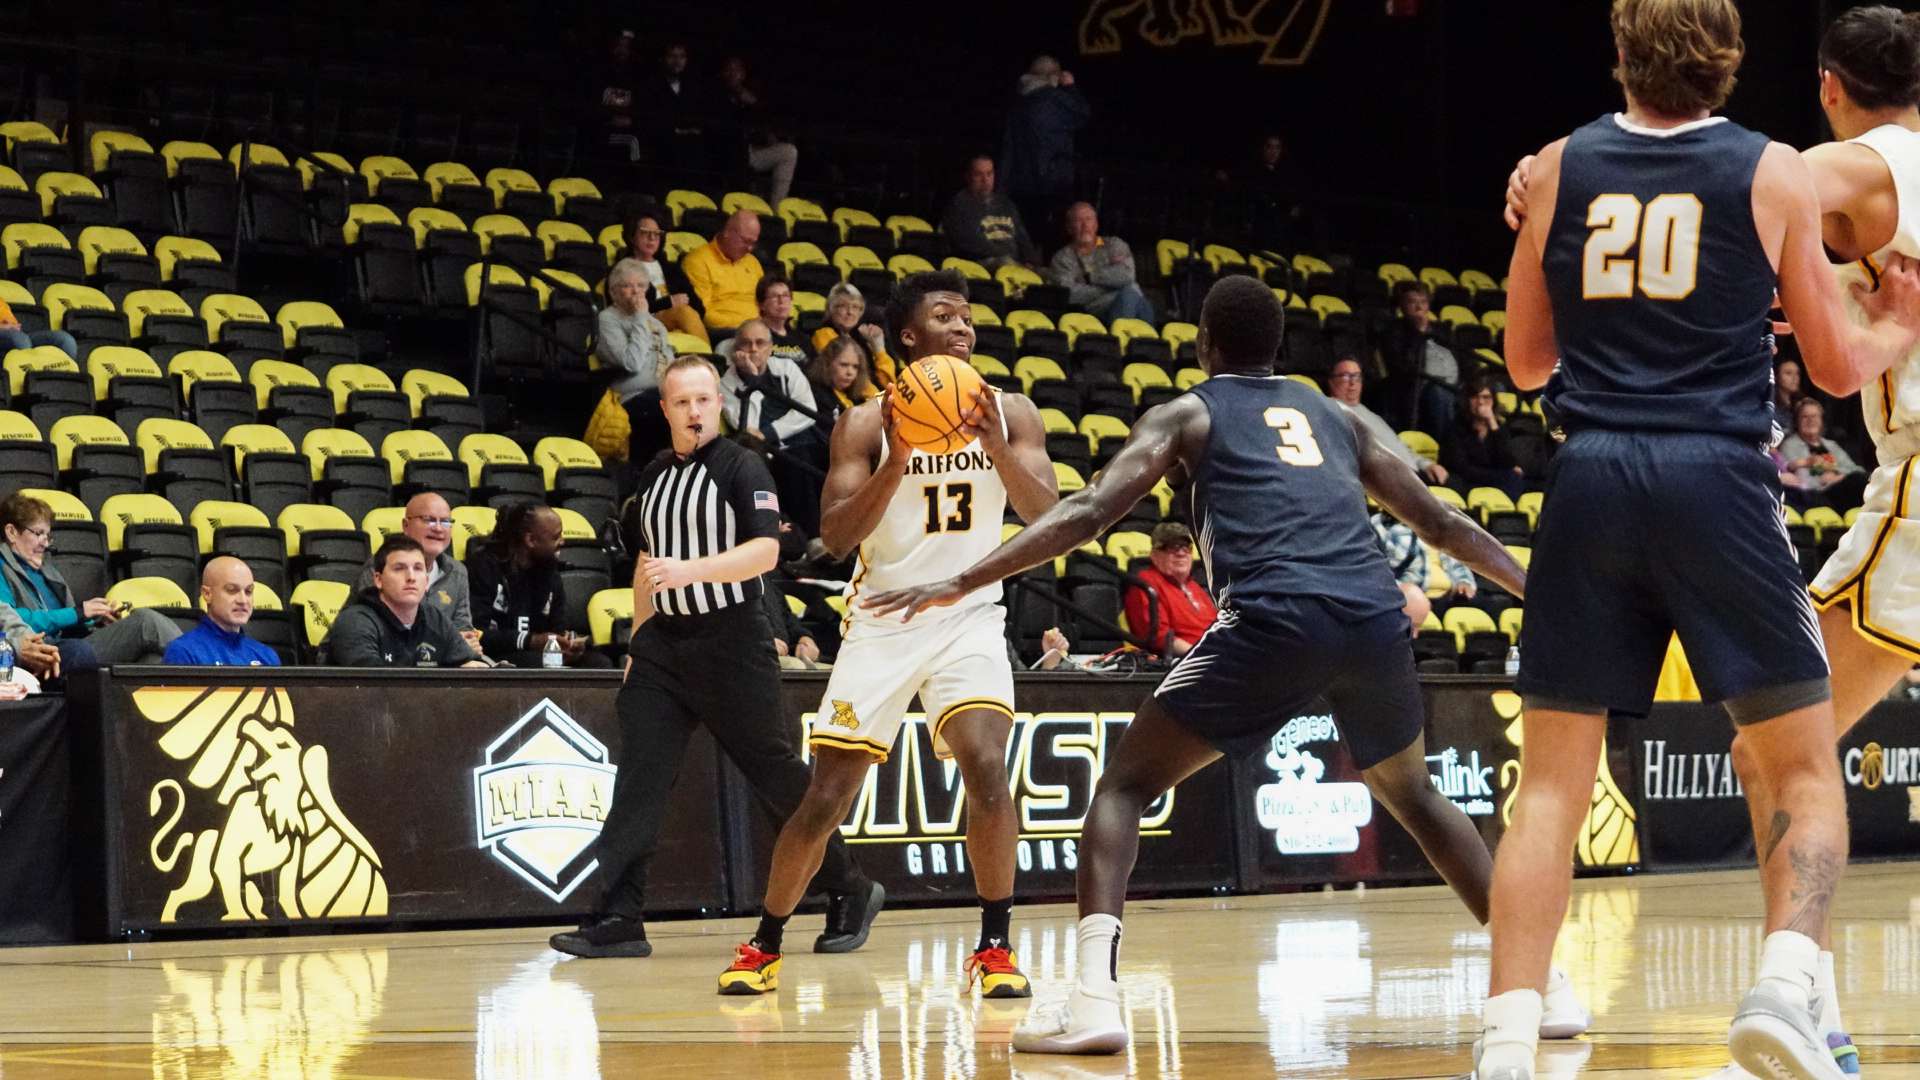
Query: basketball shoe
[998, 972]
[1084, 1024]
[752, 971]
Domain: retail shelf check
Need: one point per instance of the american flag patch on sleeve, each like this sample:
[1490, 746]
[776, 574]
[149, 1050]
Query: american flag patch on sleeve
[766, 500]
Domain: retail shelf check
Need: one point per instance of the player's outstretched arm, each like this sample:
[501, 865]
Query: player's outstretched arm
[1840, 355]
[1152, 449]
[1405, 495]
[856, 494]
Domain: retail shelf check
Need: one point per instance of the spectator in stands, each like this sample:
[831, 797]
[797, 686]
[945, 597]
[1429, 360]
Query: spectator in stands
[88, 634]
[1786, 388]
[984, 225]
[390, 625]
[1184, 610]
[725, 274]
[31, 649]
[1423, 374]
[1827, 474]
[1477, 452]
[744, 128]
[1097, 271]
[1038, 150]
[518, 597]
[774, 294]
[1345, 384]
[226, 592]
[632, 346]
[616, 97]
[1407, 555]
[791, 642]
[839, 379]
[428, 522]
[1274, 187]
[12, 337]
[845, 307]
[670, 296]
[677, 113]
[769, 404]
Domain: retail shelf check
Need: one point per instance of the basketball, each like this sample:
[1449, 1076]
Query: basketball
[930, 397]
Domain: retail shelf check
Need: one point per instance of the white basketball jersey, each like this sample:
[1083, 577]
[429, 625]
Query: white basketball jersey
[944, 517]
[1891, 403]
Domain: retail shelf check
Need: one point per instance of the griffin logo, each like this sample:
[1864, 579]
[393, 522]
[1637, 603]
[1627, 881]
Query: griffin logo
[280, 821]
[541, 798]
[1286, 30]
[843, 716]
[1609, 836]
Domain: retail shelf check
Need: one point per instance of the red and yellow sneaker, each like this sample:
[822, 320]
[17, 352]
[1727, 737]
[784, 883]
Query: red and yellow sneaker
[752, 971]
[998, 970]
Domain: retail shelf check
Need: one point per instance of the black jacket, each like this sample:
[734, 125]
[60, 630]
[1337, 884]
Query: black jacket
[366, 634]
[508, 604]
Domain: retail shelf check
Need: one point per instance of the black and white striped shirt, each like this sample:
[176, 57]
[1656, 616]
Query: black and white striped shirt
[689, 508]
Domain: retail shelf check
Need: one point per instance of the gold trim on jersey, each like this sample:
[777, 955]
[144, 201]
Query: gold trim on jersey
[989, 704]
[1886, 377]
[879, 750]
[1858, 584]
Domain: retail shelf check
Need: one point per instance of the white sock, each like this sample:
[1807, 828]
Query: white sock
[1791, 958]
[1100, 955]
[1555, 980]
[1829, 991]
[1513, 1030]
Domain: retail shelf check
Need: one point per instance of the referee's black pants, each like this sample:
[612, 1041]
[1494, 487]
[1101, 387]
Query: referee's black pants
[716, 669]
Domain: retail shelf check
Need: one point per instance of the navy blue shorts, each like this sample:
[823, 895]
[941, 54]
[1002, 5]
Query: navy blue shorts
[1646, 535]
[1253, 671]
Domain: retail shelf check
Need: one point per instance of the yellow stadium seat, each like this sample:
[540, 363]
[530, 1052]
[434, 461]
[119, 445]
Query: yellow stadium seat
[1168, 252]
[565, 189]
[1014, 278]
[1033, 369]
[266, 376]
[366, 214]
[613, 242]
[1068, 478]
[18, 427]
[61, 297]
[574, 527]
[1448, 495]
[504, 182]
[378, 168]
[1422, 444]
[551, 280]
[97, 241]
[148, 592]
[489, 226]
[969, 269]
[424, 220]
[325, 444]
[984, 315]
[299, 519]
[809, 303]
[1125, 546]
[158, 434]
[12, 181]
[685, 344]
[220, 309]
[1821, 519]
[382, 522]
[401, 448]
[1529, 504]
[419, 384]
[680, 200]
[472, 523]
[137, 508]
[1433, 277]
[793, 209]
[556, 452]
[1131, 330]
[1220, 257]
[678, 244]
[605, 608]
[66, 506]
[795, 253]
[1099, 427]
[1188, 378]
[139, 304]
[20, 362]
[444, 174]
[1461, 620]
[847, 218]
[1391, 275]
[297, 315]
[53, 186]
[906, 263]
[1055, 422]
[209, 515]
[554, 233]
[1488, 500]
[902, 224]
[1511, 619]
[243, 439]
[71, 433]
[497, 274]
[481, 450]
[109, 362]
[850, 257]
[102, 145]
[1305, 380]
[1075, 323]
[1325, 306]
[1022, 320]
[258, 154]
[1522, 554]
[1495, 321]
[1139, 377]
[989, 366]
[319, 164]
[171, 251]
[319, 603]
[1176, 334]
[346, 379]
[1477, 280]
[735, 201]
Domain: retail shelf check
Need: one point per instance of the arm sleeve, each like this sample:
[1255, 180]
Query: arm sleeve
[698, 277]
[555, 620]
[354, 641]
[794, 382]
[1457, 571]
[1139, 613]
[730, 403]
[751, 494]
[1115, 271]
[457, 651]
[179, 652]
[497, 638]
[40, 621]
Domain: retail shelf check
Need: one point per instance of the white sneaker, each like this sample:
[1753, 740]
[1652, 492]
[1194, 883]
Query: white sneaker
[1085, 1024]
[1776, 1034]
[1513, 1072]
[1732, 1072]
[1839, 1044]
[1562, 1016]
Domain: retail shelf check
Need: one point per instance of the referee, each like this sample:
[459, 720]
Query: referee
[702, 652]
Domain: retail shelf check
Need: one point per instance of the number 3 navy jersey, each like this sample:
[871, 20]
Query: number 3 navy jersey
[1277, 503]
[1660, 286]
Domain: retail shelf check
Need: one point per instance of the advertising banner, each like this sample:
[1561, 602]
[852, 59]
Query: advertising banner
[908, 830]
[1880, 762]
[36, 843]
[358, 796]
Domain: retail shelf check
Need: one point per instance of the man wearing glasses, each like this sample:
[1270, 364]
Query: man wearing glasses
[1344, 384]
[429, 523]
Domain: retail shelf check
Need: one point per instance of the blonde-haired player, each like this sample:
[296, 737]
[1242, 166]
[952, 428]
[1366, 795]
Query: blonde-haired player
[916, 516]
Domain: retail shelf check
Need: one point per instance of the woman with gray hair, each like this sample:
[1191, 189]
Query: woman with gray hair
[633, 349]
[845, 306]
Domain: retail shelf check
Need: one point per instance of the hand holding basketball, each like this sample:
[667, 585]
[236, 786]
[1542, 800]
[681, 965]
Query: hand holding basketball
[931, 400]
[983, 421]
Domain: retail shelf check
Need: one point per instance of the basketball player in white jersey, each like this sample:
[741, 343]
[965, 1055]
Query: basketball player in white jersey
[915, 517]
[1868, 183]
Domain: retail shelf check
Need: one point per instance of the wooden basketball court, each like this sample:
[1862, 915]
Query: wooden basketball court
[1382, 983]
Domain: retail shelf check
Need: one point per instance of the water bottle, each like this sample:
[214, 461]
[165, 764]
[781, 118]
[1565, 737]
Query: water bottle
[1513, 661]
[6, 659]
[550, 657]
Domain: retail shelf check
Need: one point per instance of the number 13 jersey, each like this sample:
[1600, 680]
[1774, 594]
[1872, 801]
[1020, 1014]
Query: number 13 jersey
[1278, 509]
[945, 516]
[1659, 283]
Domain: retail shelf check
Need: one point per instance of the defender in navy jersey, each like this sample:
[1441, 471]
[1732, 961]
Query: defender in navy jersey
[1280, 476]
[1639, 297]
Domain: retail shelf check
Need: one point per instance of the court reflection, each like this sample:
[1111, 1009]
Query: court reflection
[298, 1016]
[536, 1027]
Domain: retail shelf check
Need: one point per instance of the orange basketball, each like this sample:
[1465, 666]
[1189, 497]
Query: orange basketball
[930, 397]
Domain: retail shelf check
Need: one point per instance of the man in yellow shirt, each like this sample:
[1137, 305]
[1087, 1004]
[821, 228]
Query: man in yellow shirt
[725, 274]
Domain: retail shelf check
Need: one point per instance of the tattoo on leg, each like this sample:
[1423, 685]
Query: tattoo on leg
[1816, 874]
[1778, 832]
